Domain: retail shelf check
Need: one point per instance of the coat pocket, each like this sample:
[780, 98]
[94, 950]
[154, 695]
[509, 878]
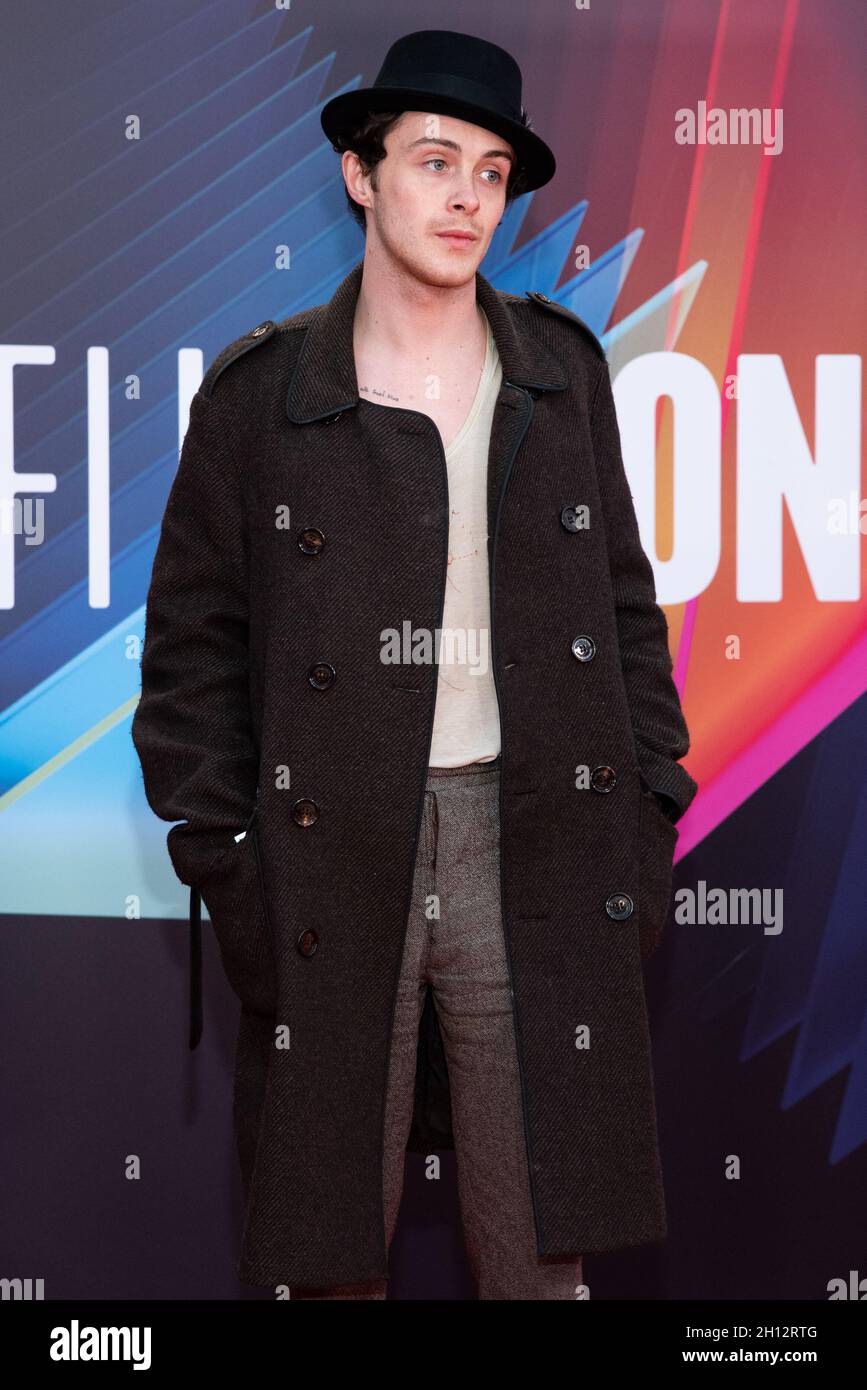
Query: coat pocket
[233, 892]
[658, 837]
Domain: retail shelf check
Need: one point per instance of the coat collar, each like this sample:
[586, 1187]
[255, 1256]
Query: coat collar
[324, 382]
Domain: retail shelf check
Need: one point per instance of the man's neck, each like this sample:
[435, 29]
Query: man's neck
[400, 317]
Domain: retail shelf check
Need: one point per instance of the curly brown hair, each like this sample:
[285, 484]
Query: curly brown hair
[367, 141]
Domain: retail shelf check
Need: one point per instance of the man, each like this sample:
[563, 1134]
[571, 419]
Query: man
[385, 829]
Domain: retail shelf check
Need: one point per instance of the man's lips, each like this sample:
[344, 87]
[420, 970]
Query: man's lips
[458, 236]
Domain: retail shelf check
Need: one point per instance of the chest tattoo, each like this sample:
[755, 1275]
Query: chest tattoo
[378, 395]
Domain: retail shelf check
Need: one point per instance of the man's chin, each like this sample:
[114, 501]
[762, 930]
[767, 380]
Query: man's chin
[447, 269]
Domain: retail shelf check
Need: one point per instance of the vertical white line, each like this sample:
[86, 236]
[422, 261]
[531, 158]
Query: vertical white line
[98, 481]
[190, 373]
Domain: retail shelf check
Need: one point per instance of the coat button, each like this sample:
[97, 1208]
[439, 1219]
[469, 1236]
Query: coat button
[619, 906]
[602, 778]
[570, 519]
[307, 943]
[263, 328]
[311, 540]
[537, 294]
[584, 648]
[305, 811]
[321, 675]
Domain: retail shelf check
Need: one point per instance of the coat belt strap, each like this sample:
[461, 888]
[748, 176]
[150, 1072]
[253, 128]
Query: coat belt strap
[195, 968]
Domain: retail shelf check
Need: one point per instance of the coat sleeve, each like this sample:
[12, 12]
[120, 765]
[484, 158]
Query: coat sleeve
[192, 728]
[658, 724]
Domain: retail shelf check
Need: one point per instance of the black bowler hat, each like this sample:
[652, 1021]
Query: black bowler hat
[452, 75]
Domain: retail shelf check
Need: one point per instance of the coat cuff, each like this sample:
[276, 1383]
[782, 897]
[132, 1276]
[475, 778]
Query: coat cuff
[670, 781]
[193, 852]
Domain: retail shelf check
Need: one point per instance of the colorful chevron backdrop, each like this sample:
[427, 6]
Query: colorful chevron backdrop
[156, 158]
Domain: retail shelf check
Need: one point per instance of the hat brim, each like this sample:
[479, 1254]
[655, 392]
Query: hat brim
[347, 110]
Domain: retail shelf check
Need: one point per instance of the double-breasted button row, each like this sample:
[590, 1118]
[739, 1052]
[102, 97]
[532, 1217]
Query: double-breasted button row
[311, 540]
[306, 812]
[583, 647]
[619, 905]
[602, 778]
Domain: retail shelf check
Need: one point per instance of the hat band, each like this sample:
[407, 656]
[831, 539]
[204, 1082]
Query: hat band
[444, 84]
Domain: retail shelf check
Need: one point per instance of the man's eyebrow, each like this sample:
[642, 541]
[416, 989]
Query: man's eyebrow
[453, 145]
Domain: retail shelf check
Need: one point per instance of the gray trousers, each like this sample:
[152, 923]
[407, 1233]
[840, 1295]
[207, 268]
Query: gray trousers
[454, 941]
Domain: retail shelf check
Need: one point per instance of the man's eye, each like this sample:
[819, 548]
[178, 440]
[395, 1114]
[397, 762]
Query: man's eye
[498, 177]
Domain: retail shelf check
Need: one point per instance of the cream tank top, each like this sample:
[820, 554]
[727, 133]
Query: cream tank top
[466, 718]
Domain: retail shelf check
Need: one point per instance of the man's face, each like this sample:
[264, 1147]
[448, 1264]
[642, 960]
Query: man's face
[439, 175]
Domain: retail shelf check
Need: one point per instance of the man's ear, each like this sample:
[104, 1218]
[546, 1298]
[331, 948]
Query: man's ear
[351, 166]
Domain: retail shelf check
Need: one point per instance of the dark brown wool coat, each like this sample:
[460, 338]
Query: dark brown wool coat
[302, 523]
